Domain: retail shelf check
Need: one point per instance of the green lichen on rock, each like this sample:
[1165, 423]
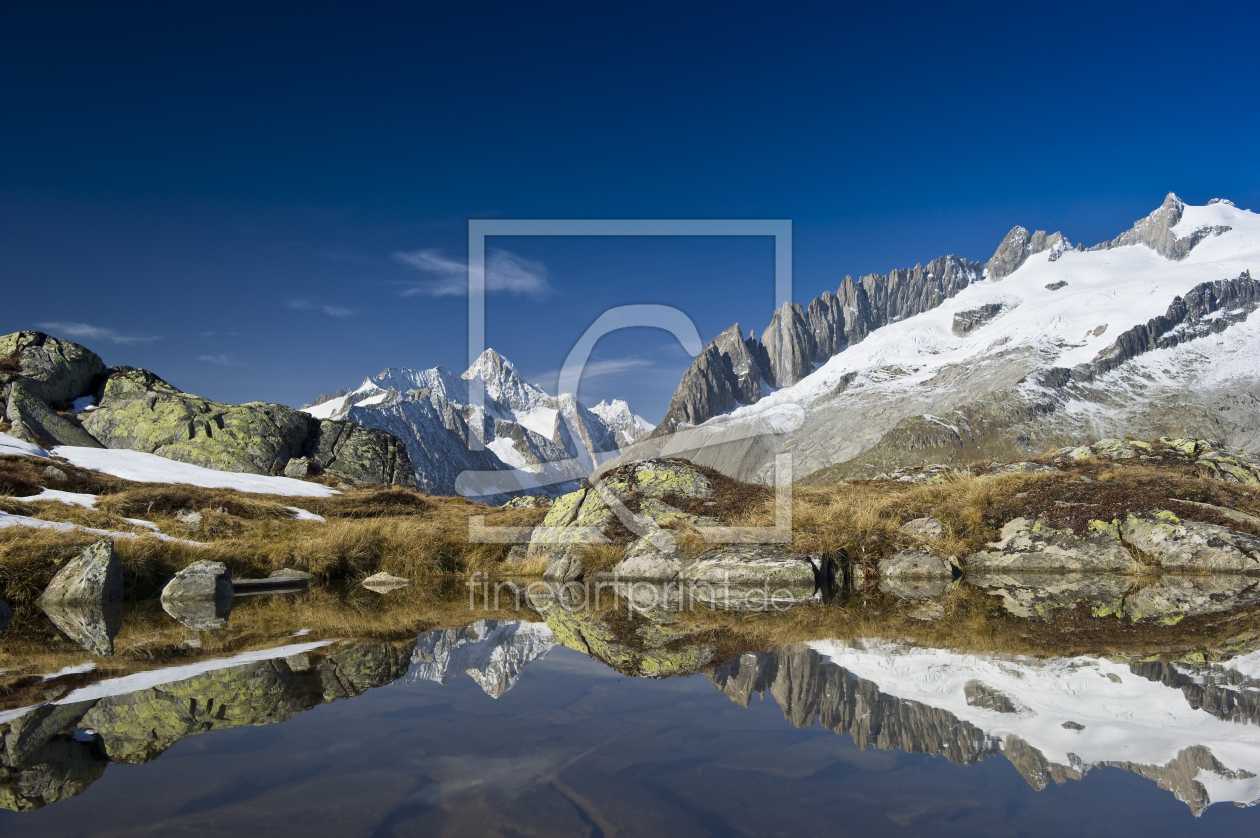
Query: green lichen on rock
[1190, 547]
[34, 421]
[55, 371]
[141, 412]
[1034, 546]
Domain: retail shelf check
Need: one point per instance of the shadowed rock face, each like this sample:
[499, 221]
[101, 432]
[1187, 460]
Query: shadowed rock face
[34, 421]
[1015, 249]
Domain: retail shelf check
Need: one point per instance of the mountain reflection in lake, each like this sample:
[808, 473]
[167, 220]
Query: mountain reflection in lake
[519, 727]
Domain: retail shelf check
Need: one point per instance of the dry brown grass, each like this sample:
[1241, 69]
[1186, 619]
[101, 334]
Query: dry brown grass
[601, 557]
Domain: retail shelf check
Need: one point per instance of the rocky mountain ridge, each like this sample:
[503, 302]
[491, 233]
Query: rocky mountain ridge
[1047, 345]
[533, 441]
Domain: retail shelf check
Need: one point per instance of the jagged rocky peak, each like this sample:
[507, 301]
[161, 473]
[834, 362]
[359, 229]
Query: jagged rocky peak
[725, 373]
[788, 346]
[1018, 245]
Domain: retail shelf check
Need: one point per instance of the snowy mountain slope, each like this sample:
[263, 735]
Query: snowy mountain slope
[533, 441]
[1070, 344]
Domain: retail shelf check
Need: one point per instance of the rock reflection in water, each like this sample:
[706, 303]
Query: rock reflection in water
[93, 625]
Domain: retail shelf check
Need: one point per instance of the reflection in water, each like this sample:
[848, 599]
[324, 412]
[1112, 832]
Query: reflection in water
[1191, 728]
[1054, 720]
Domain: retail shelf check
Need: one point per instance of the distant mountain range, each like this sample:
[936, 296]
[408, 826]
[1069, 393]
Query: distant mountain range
[1045, 345]
[532, 440]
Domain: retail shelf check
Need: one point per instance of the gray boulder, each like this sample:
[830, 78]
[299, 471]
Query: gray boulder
[93, 577]
[300, 467]
[54, 473]
[189, 518]
[34, 421]
[747, 565]
[55, 371]
[1187, 546]
[914, 574]
[654, 557]
[1033, 546]
[200, 596]
[924, 527]
[200, 581]
[289, 573]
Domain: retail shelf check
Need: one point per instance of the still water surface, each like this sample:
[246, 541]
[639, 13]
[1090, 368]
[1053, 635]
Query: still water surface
[497, 729]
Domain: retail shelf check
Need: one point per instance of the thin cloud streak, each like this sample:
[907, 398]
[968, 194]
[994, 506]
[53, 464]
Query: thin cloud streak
[593, 369]
[331, 311]
[222, 360]
[505, 271]
[87, 331]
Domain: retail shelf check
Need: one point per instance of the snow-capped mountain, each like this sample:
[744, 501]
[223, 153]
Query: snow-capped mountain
[493, 653]
[1045, 345]
[1191, 729]
[531, 440]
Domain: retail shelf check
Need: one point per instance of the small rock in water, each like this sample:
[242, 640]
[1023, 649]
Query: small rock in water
[289, 573]
[94, 576]
[382, 582]
[200, 596]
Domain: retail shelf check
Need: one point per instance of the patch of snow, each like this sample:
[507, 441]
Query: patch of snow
[7, 520]
[150, 468]
[327, 409]
[303, 515]
[68, 498]
[158, 677]
[505, 450]
[140, 522]
[12, 446]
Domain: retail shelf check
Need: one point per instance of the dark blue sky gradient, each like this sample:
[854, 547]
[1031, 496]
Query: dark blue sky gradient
[232, 180]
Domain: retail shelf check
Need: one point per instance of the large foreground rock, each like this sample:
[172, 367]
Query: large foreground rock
[54, 371]
[34, 421]
[92, 577]
[140, 411]
[1033, 546]
[1186, 546]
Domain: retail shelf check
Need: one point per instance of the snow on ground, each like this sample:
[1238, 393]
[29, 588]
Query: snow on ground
[7, 520]
[150, 468]
[12, 446]
[1107, 293]
[1126, 718]
[68, 498]
[303, 515]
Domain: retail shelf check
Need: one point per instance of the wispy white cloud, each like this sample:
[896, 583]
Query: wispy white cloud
[86, 331]
[221, 360]
[331, 311]
[505, 271]
[594, 369]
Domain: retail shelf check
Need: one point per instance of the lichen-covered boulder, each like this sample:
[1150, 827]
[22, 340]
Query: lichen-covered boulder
[34, 421]
[200, 596]
[94, 576]
[654, 557]
[351, 451]
[750, 565]
[1033, 546]
[574, 521]
[1188, 546]
[139, 411]
[55, 371]
[658, 479]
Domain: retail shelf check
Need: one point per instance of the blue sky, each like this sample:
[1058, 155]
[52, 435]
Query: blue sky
[263, 201]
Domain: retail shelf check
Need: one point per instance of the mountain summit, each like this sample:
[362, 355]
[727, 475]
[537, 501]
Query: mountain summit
[531, 441]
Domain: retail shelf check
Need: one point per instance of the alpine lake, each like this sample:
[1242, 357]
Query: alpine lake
[1035, 706]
